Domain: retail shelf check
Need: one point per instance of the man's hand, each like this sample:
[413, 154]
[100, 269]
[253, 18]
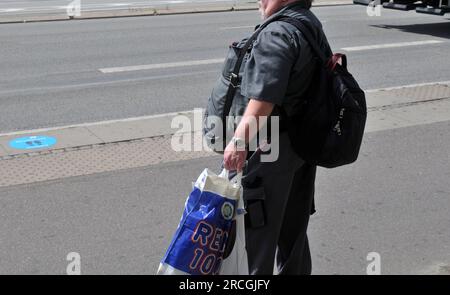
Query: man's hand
[234, 158]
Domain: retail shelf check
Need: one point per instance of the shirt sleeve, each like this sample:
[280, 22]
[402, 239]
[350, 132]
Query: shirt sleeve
[268, 68]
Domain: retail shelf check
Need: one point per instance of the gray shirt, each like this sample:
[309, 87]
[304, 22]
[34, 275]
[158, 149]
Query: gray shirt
[280, 66]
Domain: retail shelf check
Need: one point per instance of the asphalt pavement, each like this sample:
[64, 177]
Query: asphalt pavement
[51, 71]
[393, 201]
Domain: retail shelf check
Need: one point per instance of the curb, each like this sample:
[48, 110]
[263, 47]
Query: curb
[147, 11]
[101, 133]
[389, 108]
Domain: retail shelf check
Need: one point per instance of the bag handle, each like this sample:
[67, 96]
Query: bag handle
[224, 173]
[235, 180]
[335, 60]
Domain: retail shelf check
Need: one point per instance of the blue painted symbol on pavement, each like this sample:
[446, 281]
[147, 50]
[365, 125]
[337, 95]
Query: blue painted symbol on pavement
[32, 142]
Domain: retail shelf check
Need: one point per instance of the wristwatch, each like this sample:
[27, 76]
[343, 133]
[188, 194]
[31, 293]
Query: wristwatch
[239, 143]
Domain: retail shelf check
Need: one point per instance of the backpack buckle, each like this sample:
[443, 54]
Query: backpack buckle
[234, 80]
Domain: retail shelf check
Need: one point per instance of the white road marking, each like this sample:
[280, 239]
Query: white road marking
[102, 84]
[252, 26]
[11, 10]
[239, 27]
[162, 65]
[392, 45]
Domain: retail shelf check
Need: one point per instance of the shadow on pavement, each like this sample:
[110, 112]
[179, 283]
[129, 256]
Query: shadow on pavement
[441, 30]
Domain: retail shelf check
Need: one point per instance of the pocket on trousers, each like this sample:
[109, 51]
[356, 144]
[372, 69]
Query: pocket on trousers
[254, 204]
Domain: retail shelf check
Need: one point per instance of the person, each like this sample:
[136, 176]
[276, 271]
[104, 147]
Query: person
[279, 194]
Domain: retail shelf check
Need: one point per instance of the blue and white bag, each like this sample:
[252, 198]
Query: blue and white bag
[199, 243]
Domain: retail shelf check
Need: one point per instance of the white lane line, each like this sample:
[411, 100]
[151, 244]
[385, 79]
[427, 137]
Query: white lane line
[252, 26]
[239, 27]
[392, 45]
[11, 10]
[101, 84]
[162, 65]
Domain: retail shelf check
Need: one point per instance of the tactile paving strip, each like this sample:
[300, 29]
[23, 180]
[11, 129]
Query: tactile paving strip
[400, 97]
[92, 159]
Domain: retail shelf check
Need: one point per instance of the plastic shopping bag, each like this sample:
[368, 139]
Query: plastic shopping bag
[199, 243]
[236, 263]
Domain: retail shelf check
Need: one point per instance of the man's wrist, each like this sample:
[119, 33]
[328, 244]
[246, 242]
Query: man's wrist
[238, 143]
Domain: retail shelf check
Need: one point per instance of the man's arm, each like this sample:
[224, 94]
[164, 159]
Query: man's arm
[265, 79]
[255, 110]
[235, 159]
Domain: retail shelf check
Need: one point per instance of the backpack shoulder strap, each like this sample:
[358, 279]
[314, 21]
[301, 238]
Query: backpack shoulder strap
[308, 36]
[252, 38]
[234, 76]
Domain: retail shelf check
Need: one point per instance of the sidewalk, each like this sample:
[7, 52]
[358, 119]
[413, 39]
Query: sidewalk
[144, 141]
[394, 201]
[145, 10]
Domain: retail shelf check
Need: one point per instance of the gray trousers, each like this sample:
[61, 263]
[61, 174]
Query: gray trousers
[280, 199]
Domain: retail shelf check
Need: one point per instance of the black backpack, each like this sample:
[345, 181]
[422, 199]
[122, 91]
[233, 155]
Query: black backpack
[329, 128]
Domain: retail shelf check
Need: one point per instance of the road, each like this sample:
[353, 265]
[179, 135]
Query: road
[393, 201]
[51, 77]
